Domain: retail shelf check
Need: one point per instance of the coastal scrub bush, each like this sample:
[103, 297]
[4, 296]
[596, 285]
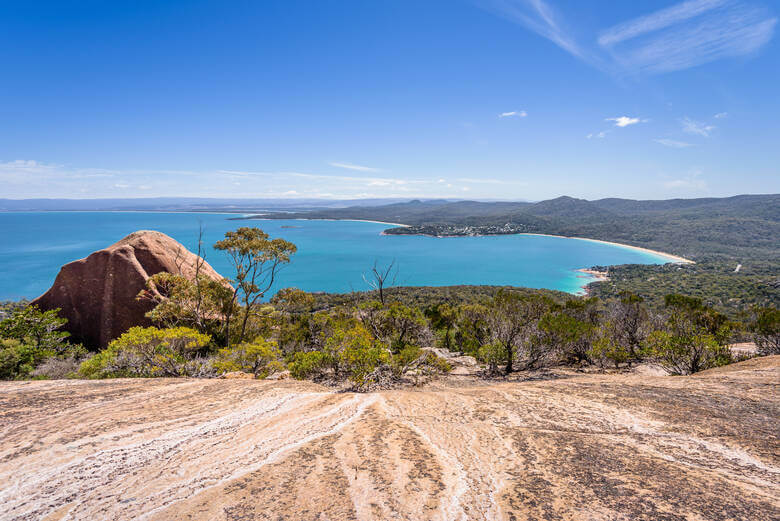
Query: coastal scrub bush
[606, 350]
[686, 354]
[395, 324]
[471, 328]
[199, 303]
[312, 364]
[260, 357]
[421, 362]
[17, 360]
[150, 352]
[40, 329]
[569, 336]
[692, 338]
[30, 337]
[357, 354]
[766, 330]
[493, 355]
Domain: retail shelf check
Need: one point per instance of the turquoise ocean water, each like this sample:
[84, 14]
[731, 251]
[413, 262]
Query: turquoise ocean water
[332, 255]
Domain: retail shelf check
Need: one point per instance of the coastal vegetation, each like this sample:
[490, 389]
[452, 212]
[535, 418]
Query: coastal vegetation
[390, 336]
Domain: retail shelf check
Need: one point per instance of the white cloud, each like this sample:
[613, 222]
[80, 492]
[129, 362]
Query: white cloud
[695, 127]
[350, 166]
[720, 115]
[598, 135]
[514, 113]
[673, 143]
[624, 121]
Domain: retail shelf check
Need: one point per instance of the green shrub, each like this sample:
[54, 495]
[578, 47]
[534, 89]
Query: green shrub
[766, 331]
[149, 352]
[605, 350]
[492, 355]
[310, 365]
[260, 358]
[686, 354]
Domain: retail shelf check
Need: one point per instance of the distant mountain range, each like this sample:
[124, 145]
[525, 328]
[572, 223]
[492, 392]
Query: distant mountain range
[181, 204]
[707, 228]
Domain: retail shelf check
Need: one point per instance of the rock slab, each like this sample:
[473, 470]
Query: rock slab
[97, 294]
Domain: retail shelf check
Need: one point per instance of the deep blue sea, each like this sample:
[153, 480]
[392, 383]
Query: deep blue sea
[332, 255]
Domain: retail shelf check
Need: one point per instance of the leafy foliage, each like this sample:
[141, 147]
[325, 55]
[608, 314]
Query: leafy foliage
[148, 352]
[766, 330]
[260, 357]
[28, 338]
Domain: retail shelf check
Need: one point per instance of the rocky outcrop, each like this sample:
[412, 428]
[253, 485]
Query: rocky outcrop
[575, 447]
[98, 294]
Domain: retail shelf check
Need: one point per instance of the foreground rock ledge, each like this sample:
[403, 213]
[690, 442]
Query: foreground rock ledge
[577, 447]
[97, 294]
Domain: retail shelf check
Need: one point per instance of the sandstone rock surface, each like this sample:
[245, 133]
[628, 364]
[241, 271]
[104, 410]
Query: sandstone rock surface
[577, 447]
[97, 294]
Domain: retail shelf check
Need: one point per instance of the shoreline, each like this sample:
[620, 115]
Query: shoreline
[334, 220]
[674, 258]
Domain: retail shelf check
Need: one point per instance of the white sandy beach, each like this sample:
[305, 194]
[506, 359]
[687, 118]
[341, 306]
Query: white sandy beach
[672, 258]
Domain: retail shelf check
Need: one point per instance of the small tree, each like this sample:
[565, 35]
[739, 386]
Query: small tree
[40, 329]
[201, 303]
[257, 261]
[566, 335]
[472, 330]
[513, 322]
[629, 319]
[691, 339]
[381, 277]
[443, 318]
[686, 353]
[606, 349]
[766, 330]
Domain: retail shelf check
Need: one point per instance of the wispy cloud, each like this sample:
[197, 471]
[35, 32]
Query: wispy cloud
[514, 113]
[478, 180]
[359, 168]
[720, 115]
[673, 143]
[624, 121]
[684, 35]
[598, 135]
[658, 20]
[688, 34]
[695, 127]
[692, 182]
[539, 17]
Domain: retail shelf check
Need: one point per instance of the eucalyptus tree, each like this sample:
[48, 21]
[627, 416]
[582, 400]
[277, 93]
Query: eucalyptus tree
[257, 260]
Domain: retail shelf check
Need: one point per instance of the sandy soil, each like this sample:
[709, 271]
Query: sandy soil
[617, 447]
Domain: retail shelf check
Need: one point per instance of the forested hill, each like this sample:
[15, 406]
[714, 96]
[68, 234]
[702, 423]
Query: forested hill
[732, 228]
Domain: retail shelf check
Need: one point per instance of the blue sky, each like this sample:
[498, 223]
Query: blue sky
[476, 99]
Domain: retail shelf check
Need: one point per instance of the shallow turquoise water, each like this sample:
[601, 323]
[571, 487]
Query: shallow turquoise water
[332, 255]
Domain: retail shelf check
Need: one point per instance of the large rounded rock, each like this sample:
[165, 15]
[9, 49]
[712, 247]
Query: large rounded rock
[98, 294]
